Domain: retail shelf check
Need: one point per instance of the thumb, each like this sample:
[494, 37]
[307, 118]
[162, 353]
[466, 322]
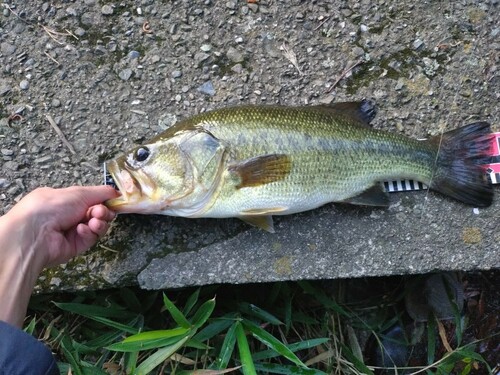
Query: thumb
[92, 195]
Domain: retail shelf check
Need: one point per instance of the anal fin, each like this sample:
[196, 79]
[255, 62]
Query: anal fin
[374, 196]
[263, 222]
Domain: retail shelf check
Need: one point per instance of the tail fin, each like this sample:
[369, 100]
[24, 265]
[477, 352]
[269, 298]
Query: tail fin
[458, 167]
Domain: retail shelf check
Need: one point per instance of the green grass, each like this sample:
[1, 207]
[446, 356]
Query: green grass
[282, 328]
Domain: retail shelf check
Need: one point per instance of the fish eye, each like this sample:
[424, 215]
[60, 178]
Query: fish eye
[141, 154]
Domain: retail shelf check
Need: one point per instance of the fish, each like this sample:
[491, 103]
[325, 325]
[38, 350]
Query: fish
[253, 162]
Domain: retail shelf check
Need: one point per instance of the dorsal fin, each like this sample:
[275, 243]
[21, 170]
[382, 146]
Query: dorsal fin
[363, 111]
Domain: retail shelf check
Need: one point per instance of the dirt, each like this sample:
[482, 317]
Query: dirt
[113, 74]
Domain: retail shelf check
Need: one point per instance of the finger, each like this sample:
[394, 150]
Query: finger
[99, 227]
[85, 238]
[93, 195]
[100, 212]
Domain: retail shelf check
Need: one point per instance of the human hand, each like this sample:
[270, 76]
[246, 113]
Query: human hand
[59, 224]
[46, 228]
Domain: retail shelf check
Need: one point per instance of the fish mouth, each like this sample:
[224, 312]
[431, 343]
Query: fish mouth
[123, 181]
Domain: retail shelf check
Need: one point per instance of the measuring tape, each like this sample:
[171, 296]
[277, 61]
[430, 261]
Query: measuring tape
[492, 171]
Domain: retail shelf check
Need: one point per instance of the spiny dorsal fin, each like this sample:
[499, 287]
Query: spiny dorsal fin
[261, 170]
[363, 111]
[374, 196]
[263, 222]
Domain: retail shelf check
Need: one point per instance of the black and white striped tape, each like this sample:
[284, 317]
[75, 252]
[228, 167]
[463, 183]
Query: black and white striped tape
[410, 185]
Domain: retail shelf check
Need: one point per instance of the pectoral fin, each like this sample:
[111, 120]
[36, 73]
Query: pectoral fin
[374, 196]
[263, 222]
[261, 170]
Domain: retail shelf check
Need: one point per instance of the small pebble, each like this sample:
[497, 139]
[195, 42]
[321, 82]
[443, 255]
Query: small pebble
[7, 152]
[206, 47]
[417, 44]
[79, 31]
[43, 159]
[71, 11]
[234, 55]
[207, 88]
[358, 51]
[6, 12]
[327, 99]
[238, 68]
[399, 86]
[176, 74]
[56, 103]
[200, 57]
[166, 121]
[7, 48]
[133, 55]
[125, 74]
[4, 183]
[231, 5]
[24, 84]
[107, 10]
[4, 90]
[253, 7]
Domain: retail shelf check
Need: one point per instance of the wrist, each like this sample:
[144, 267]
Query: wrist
[19, 267]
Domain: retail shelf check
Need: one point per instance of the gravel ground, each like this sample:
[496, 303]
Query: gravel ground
[111, 74]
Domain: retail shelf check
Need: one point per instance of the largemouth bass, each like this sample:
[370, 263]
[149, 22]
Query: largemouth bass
[253, 162]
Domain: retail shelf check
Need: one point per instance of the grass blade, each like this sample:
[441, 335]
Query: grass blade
[272, 342]
[247, 365]
[110, 323]
[269, 368]
[69, 351]
[91, 311]
[191, 301]
[354, 343]
[176, 314]
[431, 339]
[149, 342]
[215, 327]
[155, 335]
[360, 366]
[30, 327]
[252, 310]
[302, 345]
[159, 357]
[203, 313]
[323, 298]
[227, 348]
[130, 362]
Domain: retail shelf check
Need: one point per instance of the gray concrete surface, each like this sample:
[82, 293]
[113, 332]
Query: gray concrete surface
[415, 235]
[113, 74]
